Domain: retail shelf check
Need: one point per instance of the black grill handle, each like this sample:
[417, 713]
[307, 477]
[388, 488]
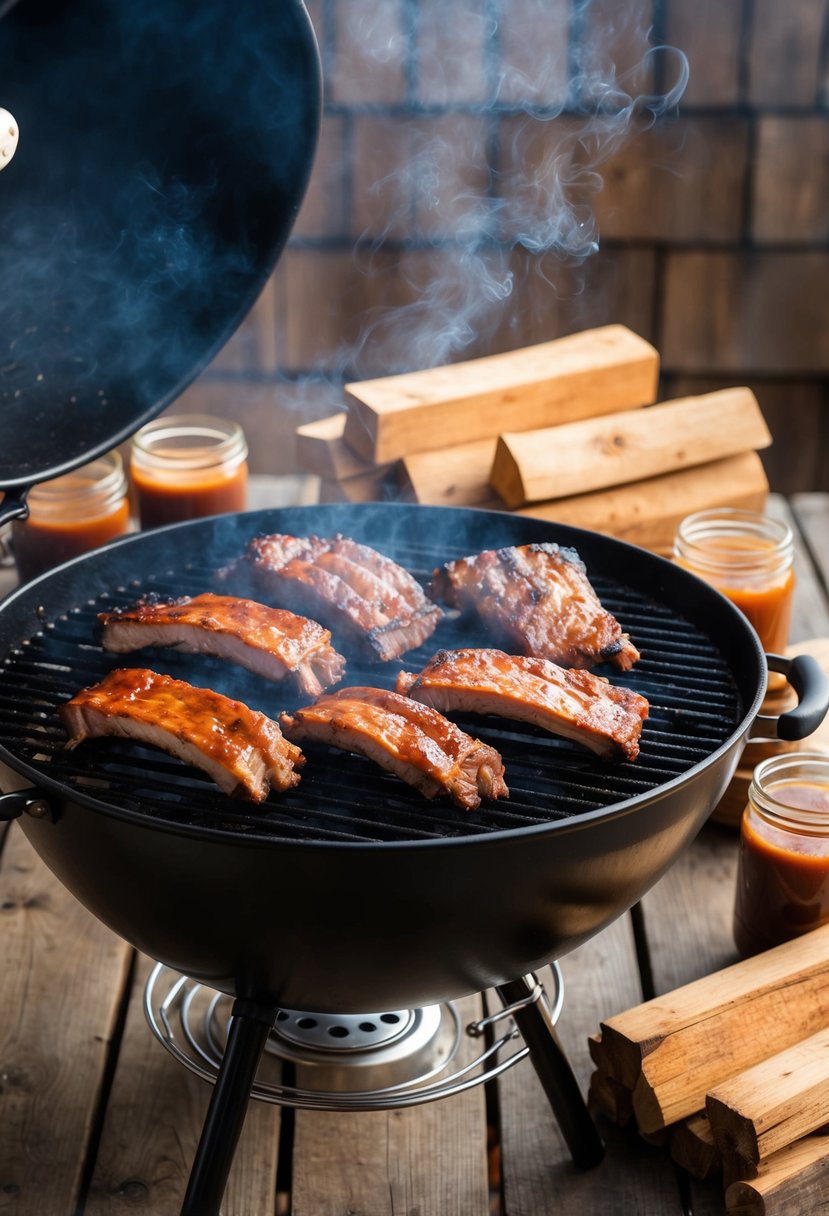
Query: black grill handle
[29, 800]
[807, 678]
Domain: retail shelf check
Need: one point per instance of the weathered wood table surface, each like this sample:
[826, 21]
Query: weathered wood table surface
[97, 1119]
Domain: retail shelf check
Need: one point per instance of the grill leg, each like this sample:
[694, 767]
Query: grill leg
[535, 1022]
[249, 1027]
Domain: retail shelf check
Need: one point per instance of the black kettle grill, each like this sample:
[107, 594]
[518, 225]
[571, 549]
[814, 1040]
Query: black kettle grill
[164, 149]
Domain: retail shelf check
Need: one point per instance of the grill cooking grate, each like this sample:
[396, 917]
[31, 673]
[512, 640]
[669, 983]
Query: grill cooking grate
[695, 706]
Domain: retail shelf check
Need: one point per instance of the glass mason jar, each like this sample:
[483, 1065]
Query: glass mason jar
[187, 467]
[71, 515]
[749, 558]
[783, 864]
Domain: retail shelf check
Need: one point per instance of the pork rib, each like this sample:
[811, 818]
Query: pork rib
[415, 742]
[359, 593]
[537, 600]
[272, 642]
[574, 704]
[242, 750]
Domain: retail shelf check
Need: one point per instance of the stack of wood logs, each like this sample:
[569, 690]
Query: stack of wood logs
[555, 431]
[731, 1073]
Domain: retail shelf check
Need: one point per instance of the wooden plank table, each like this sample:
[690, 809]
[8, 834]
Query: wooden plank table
[96, 1119]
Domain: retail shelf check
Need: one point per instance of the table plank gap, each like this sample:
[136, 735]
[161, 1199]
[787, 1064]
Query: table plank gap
[600, 978]
[153, 1123]
[63, 977]
[425, 1159]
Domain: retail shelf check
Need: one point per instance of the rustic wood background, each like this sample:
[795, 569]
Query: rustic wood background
[448, 130]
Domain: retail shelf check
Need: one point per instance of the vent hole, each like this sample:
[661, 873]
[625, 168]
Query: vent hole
[307, 1023]
[338, 1032]
[367, 1027]
[391, 1019]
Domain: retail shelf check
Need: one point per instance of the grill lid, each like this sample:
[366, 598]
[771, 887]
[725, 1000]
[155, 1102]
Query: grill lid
[696, 704]
[164, 150]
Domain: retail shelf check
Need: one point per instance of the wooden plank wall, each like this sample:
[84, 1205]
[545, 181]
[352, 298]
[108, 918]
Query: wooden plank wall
[451, 135]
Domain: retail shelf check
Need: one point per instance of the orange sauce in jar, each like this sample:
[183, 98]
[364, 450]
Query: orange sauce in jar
[783, 866]
[749, 558]
[188, 467]
[71, 515]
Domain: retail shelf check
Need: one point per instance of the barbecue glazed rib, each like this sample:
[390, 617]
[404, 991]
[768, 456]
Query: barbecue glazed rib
[574, 704]
[365, 597]
[537, 599]
[242, 750]
[269, 641]
[415, 742]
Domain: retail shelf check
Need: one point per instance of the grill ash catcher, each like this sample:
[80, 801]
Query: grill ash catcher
[361, 1062]
[202, 124]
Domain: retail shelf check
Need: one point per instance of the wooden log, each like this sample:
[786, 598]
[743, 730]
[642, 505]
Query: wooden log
[610, 1099]
[792, 1182]
[594, 1046]
[647, 512]
[579, 376]
[375, 486]
[456, 477]
[774, 1103]
[691, 1144]
[321, 449]
[662, 1049]
[609, 451]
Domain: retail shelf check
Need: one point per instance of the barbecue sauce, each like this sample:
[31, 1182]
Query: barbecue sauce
[748, 557]
[71, 515]
[188, 467]
[783, 867]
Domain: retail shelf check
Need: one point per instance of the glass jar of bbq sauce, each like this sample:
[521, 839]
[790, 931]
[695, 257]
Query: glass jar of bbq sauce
[783, 864]
[187, 467]
[749, 557]
[71, 515]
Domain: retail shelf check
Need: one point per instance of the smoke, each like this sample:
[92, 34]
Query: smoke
[500, 185]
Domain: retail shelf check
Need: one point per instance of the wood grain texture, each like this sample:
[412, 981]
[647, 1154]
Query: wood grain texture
[764, 1108]
[723, 314]
[662, 1048]
[153, 1122]
[593, 372]
[63, 978]
[647, 512]
[630, 446]
[452, 477]
[691, 1144]
[792, 1182]
[538, 1176]
[421, 1159]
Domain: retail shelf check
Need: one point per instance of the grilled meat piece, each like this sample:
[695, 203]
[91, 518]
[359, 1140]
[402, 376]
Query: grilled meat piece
[272, 642]
[538, 601]
[574, 704]
[415, 742]
[360, 594]
[242, 750]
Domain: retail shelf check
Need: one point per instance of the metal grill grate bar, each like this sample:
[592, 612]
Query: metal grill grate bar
[694, 707]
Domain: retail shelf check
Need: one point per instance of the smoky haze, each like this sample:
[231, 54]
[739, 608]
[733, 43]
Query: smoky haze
[512, 109]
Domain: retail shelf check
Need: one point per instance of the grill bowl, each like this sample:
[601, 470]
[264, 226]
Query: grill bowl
[352, 892]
